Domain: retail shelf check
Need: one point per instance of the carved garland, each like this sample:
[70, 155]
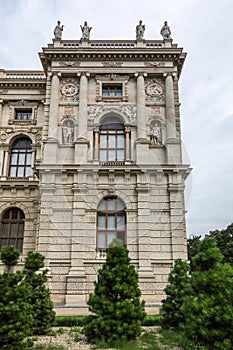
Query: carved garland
[127, 109]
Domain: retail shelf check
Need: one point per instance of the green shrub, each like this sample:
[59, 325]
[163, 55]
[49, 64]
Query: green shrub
[209, 312]
[178, 288]
[116, 300]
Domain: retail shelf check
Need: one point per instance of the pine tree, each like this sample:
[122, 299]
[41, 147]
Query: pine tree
[116, 300]
[15, 311]
[179, 286]
[42, 307]
[209, 312]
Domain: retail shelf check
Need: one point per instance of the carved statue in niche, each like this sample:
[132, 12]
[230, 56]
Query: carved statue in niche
[155, 133]
[68, 131]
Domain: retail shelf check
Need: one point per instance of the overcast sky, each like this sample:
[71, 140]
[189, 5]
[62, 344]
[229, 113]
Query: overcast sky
[203, 28]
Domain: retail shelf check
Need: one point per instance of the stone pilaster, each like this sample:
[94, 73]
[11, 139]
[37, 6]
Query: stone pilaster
[54, 107]
[81, 144]
[170, 107]
[141, 107]
[1, 107]
[173, 144]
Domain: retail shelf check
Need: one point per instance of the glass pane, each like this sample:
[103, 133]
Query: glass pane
[4, 229]
[4, 242]
[121, 222]
[20, 172]
[112, 91]
[111, 203]
[103, 141]
[13, 171]
[112, 155]
[103, 156]
[121, 141]
[28, 171]
[21, 159]
[121, 236]
[111, 236]
[105, 91]
[102, 222]
[13, 229]
[102, 205]
[111, 222]
[13, 158]
[19, 245]
[120, 155]
[21, 229]
[101, 240]
[15, 214]
[112, 141]
[119, 91]
[120, 205]
[29, 159]
[18, 116]
[12, 241]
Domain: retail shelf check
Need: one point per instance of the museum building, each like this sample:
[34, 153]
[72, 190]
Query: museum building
[91, 150]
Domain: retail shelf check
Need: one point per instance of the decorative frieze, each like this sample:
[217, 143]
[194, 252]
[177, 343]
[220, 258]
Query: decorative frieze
[129, 111]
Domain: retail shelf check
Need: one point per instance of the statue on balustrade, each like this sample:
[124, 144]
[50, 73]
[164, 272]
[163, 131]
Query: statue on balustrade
[58, 30]
[165, 31]
[140, 29]
[86, 31]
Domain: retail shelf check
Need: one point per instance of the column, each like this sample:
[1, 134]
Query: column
[82, 117]
[54, 107]
[127, 144]
[96, 149]
[170, 107]
[1, 105]
[141, 107]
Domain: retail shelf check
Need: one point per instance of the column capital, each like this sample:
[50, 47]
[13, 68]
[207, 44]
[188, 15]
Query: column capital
[170, 74]
[140, 74]
[83, 74]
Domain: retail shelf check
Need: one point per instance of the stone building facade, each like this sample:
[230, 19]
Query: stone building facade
[91, 150]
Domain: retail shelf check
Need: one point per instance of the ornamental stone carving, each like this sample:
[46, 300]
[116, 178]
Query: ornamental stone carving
[69, 91]
[154, 89]
[129, 110]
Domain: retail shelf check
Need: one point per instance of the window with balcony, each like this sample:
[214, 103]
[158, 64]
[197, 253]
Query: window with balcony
[111, 221]
[112, 140]
[12, 228]
[21, 158]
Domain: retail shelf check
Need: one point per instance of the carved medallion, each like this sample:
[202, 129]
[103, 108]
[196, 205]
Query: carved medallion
[69, 89]
[154, 91]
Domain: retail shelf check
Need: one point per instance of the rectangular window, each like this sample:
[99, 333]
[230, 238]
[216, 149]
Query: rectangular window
[23, 114]
[112, 90]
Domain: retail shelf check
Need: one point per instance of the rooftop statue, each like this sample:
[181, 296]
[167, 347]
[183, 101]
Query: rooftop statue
[86, 31]
[165, 31]
[140, 29]
[58, 30]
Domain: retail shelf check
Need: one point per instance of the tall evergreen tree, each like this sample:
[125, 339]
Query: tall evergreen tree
[116, 300]
[42, 307]
[209, 311]
[179, 287]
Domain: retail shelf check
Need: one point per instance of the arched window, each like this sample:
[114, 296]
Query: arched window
[21, 158]
[12, 228]
[111, 221]
[112, 140]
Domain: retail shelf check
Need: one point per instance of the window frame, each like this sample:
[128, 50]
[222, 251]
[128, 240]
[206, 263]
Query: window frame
[113, 135]
[20, 158]
[19, 224]
[107, 230]
[21, 112]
